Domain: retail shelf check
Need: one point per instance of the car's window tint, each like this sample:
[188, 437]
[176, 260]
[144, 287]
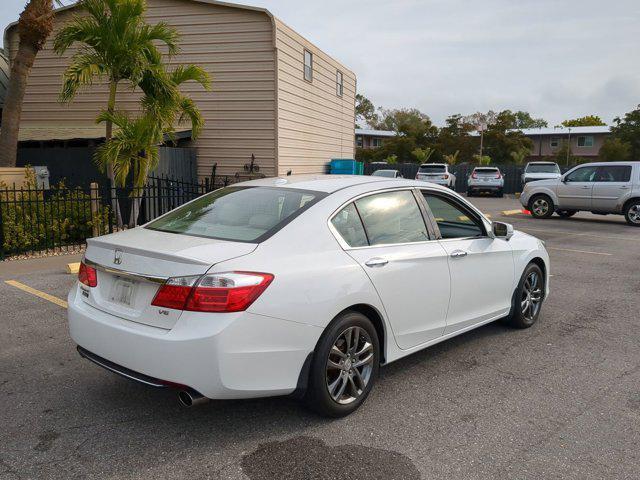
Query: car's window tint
[392, 217]
[613, 173]
[431, 169]
[246, 214]
[582, 174]
[347, 223]
[452, 220]
[542, 168]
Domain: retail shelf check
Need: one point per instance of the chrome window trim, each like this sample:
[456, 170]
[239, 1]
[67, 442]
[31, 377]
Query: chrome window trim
[124, 273]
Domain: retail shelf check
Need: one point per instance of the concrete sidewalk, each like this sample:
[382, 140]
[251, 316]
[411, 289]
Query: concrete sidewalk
[13, 268]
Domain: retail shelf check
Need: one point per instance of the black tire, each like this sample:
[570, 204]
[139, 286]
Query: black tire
[470, 193]
[566, 213]
[632, 212]
[517, 317]
[500, 194]
[539, 210]
[318, 397]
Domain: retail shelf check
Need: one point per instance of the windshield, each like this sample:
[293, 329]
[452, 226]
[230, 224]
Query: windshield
[244, 214]
[431, 169]
[543, 168]
[384, 173]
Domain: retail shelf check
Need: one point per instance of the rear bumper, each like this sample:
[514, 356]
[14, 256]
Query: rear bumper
[221, 356]
[484, 187]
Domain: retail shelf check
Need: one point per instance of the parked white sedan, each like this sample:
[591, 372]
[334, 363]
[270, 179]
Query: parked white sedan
[301, 285]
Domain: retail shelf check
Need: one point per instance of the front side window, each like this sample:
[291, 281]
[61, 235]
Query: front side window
[243, 214]
[392, 218]
[585, 141]
[453, 221]
[582, 174]
[339, 83]
[308, 65]
[347, 223]
[613, 173]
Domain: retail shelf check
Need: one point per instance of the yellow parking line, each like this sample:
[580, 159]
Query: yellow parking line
[37, 293]
[579, 251]
[73, 268]
[511, 212]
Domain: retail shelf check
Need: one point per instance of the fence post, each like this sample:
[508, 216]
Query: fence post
[2, 231]
[94, 198]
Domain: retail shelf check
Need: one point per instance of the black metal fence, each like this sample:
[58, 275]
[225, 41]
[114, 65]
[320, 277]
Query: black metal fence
[512, 174]
[60, 219]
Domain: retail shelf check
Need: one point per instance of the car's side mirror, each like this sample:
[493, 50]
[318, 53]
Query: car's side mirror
[502, 230]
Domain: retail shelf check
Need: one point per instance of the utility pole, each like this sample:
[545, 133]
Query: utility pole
[568, 146]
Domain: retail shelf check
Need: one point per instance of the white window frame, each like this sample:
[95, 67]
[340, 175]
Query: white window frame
[584, 143]
[307, 69]
[339, 83]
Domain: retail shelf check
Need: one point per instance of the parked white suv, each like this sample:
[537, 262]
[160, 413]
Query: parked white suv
[540, 171]
[437, 173]
[601, 188]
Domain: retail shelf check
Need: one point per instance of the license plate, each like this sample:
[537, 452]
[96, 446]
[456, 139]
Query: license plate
[122, 292]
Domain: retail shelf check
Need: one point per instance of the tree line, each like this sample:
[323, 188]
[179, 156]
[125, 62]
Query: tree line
[482, 137]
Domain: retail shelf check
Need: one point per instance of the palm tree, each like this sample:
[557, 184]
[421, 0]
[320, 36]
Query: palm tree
[34, 27]
[116, 45]
[134, 147]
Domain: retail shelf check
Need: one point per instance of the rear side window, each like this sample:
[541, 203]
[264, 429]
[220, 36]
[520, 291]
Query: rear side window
[392, 218]
[348, 225]
[243, 214]
[452, 220]
[613, 173]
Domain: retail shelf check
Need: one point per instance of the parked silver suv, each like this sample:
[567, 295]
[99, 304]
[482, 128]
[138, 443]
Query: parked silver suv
[485, 179]
[437, 173]
[601, 188]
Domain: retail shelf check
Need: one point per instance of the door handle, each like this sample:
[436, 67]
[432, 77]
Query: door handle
[376, 262]
[586, 187]
[458, 253]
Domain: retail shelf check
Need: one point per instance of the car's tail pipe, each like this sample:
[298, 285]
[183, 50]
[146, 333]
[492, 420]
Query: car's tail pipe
[191, 398]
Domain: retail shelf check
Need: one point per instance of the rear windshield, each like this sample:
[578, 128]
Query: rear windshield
[384, 173]
[492, 171]
[543, 168]
[242, 214]
[431, 169]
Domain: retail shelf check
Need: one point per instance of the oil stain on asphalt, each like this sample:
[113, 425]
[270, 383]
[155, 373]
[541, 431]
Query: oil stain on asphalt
[311, 458]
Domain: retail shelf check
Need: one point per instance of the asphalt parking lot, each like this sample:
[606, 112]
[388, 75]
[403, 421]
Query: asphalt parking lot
[560, 400]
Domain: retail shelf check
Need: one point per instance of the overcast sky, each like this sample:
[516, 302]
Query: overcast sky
[557, 59]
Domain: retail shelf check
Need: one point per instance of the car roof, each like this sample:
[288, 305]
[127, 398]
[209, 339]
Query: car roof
[386, 170]
[542, 163]
[437, 164]
[333, 183]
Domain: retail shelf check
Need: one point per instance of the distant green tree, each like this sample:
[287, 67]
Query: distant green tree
[627, 129]
[525, 120]
[365, 112]
[500, 139]
[586, 121]
[615, 150]
[482, 159]
[452, 158]
[409, 122]
[422, 155]
[455, 137]
[518, 156]
[391, 159]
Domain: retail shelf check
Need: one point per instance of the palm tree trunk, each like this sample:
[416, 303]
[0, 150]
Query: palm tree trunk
[111, 106]
[20, 68]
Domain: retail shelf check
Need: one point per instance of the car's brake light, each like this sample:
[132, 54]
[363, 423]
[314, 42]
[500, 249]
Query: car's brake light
[498, 175]
[220, 292]
[445, 176]
[87, 275]
[474, 175]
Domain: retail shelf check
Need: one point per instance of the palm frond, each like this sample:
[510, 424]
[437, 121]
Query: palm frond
[186, 73]
[81, 72]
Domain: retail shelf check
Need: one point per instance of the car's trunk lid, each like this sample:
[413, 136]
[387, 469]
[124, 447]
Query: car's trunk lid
[133, 264]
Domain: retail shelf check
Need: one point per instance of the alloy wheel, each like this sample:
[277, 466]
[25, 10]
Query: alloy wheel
[531, 298]
[634, 213]
[349, 365]
[540, 207]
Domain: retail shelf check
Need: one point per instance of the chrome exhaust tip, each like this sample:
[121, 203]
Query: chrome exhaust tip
[191, 398]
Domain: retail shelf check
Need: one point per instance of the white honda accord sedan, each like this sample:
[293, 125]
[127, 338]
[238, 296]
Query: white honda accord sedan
[300, 285]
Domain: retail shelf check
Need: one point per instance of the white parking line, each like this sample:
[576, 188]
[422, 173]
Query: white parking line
[578, 251]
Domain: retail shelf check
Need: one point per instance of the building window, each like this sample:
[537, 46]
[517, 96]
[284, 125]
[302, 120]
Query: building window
[376, 142]
[308, 65]
[585, 141]
[555, 142]
[339, 83]
[359, 141]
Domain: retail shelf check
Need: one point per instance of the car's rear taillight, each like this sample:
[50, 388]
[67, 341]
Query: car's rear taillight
[220, 292]
[474, 175]
[87, 275]
[498, 175]
[445, 176]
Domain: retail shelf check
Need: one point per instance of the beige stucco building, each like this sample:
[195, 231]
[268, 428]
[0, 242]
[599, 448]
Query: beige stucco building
[275, 94]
